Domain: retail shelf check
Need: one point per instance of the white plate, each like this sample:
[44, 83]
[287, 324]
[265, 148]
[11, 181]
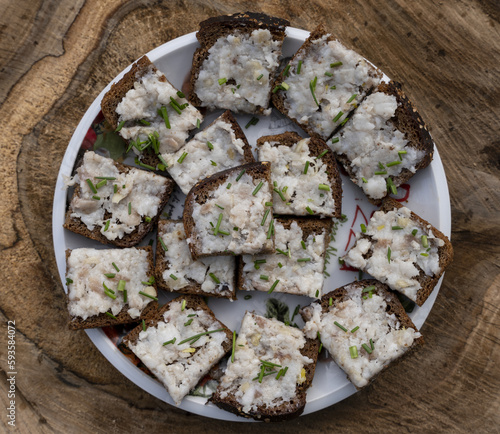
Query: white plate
[428, 197]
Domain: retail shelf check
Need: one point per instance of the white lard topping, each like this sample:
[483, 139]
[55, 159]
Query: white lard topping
[271, 341]
[370, 139]
[86, 268]
[353, 78]
[240, 209]
[142, 103]
[302, 278]
[390, 339]
[201, 161]
[408, 255]
[180, 367]
[298, 189]
[142, 190]
[240, 59]
[186, 270]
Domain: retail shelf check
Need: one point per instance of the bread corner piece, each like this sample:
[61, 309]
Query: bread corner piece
[364, 327]
[181, 343]
[109, 286]
[114, 203]
[230, 213]
[306, 175]
[384, 143]
[323, 83]
[273, 367]
[402, 250]
[176, 271]
[218, 147]
[236, 64]
[298, 264]
[139, 106]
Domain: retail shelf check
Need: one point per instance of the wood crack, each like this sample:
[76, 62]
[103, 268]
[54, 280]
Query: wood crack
[17, 237]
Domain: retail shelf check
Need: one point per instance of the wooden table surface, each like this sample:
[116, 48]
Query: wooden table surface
[55, 58]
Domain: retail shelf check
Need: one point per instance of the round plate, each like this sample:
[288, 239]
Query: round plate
[426, 194]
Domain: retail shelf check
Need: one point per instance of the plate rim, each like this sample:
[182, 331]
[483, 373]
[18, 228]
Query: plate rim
[99, 338]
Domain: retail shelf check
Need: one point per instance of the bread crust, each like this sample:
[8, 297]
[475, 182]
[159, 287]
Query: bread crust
[128, 240]
[316, 147]
[213, 28]
[239, 134]
[193, 287]
[200, 193]
[217, 27]
[103, 320]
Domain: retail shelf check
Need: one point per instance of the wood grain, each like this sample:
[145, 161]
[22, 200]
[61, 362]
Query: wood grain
[56, 56]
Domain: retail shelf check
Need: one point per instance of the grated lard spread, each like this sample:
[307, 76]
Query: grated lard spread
[390, 339]
[408, 256]
[186, 270]
[86, 268]
[201, 161]
[180, 366]
[298, 189]
[237, 61]
[142, 190]
[370, 141]
[269, 340]
[334, 94]
[302, 278]
[142, 102]
[240, 209]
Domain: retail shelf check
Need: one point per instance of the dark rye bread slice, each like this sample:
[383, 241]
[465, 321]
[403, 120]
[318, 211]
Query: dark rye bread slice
[279, 97]
[317, 147]
[192, 302]
[286, 411]
[128, 240]
[407, 120]
[221, 26]
[118, 91]
[188, 164]
[394, 306]
[309, 225]
[189, 371]
[445, 252]
[103, 320]
[201, 193]
[194, 287]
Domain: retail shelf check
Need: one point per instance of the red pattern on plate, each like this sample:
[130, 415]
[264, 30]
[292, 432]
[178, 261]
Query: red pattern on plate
[405, 187]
